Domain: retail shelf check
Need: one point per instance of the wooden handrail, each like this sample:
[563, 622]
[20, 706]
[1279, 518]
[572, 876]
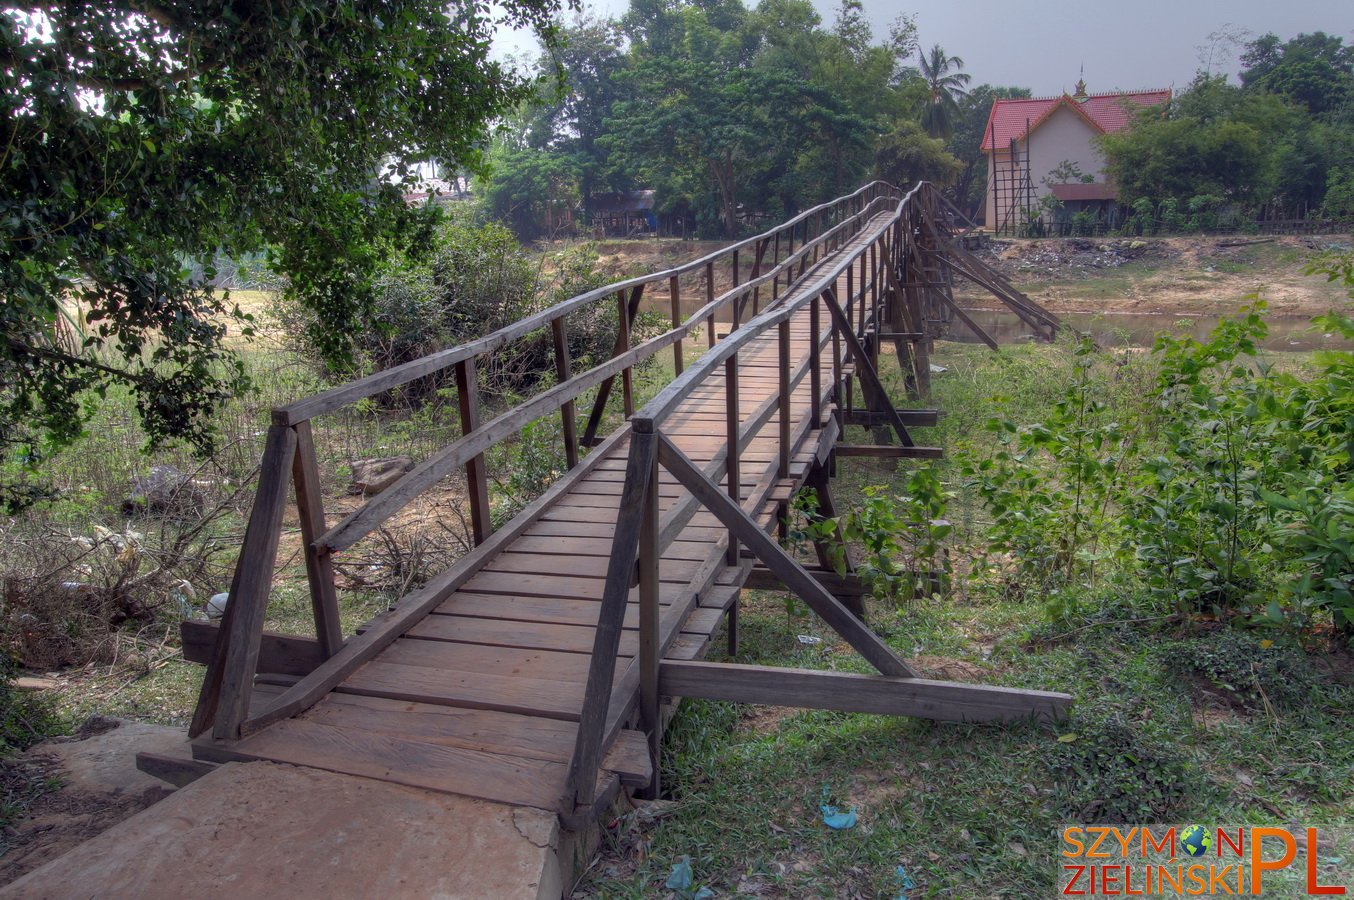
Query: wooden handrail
[362, 388]
[667, 399]
[473, 443]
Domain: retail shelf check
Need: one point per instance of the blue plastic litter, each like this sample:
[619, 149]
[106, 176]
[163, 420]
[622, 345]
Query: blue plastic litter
[837, 820]
[682, 879]
[906, 881]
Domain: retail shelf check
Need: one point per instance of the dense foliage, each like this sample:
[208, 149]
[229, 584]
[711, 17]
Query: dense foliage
[733, 116]
[1217, 482]
[473, 279]
[145, 139]
[1281, 144]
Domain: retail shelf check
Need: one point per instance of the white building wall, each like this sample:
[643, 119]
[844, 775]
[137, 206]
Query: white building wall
[1063, 136]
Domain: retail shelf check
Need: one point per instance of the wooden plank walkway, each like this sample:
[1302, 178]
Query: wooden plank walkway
[482, 696]
[532, 671]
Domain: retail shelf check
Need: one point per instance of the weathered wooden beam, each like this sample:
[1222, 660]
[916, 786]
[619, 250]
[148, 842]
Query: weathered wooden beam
[840, 586]
[476, 475]
[864, 370]
[967, 320]
[283, 654]
[582, 780]
[915, 418]
[626, 319]
[889, 451]
[946, 701]
[563, 372]
[319, 566]
[228, 684]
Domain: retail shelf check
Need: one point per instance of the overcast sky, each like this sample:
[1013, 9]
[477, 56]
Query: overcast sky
[1042, 44]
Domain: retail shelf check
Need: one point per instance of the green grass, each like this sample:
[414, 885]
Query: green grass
[1168, 724]
[972, 810]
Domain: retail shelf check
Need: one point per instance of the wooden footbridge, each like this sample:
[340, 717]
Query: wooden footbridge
[536, 670]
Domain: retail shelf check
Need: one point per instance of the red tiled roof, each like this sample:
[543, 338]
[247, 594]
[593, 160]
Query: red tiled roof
[1106, 112]
[1078, 191]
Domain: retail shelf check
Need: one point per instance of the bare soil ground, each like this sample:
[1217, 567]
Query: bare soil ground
[99, 787]
[1176, 275]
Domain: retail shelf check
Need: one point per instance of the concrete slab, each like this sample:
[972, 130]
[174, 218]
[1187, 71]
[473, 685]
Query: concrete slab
[106, 762]
[268, 830]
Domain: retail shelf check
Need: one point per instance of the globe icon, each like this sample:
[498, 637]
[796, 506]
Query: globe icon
[1196, 840]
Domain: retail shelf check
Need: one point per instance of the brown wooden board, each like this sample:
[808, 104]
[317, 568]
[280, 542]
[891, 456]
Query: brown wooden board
[508, 693]
[278, 653]
[489, 731]
[506, 633]
[949, 701]
[454, 770]
[529, 609]
[487, 659]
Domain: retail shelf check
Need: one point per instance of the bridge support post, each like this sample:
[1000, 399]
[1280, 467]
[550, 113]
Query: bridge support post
[650, 639]
[581, 787]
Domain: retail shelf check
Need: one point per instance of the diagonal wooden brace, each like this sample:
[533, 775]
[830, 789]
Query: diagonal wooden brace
[784, 566]
[865, 369]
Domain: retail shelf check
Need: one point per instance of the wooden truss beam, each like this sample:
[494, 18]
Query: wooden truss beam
[947, 701]
[791, 573]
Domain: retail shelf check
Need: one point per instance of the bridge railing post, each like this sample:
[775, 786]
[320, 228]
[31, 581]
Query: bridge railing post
[710, 298]
[731, 420]
[783, 413]
[477, 480]
[223, 702]
[815, 363]
[623, 346]
[319, 563]
[675, 303]
[563, 372]
[625, 551]
[650, 616]
[775, 264]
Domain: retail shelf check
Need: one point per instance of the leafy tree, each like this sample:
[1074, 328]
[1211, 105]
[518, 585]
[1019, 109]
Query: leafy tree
[1315, 70]
[947, 84]
[144, 139]
[591, 58]
[907, 155]
[1183, 158]
[531, 189]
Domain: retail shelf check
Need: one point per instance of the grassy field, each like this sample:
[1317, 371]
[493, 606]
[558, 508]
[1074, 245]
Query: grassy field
[1170, 723]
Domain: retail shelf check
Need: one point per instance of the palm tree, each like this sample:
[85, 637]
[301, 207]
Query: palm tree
[946, 83]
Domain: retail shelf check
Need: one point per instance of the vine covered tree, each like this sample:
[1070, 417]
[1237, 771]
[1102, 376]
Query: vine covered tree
[143, 140]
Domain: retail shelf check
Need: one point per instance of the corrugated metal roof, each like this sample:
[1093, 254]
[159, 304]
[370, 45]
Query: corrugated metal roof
[1107, 112]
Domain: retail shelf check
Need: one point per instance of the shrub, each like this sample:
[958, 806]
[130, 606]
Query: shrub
[1117, 770]
[476, 280]
[74, 599]
[1051, 486]
[1253, 672]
